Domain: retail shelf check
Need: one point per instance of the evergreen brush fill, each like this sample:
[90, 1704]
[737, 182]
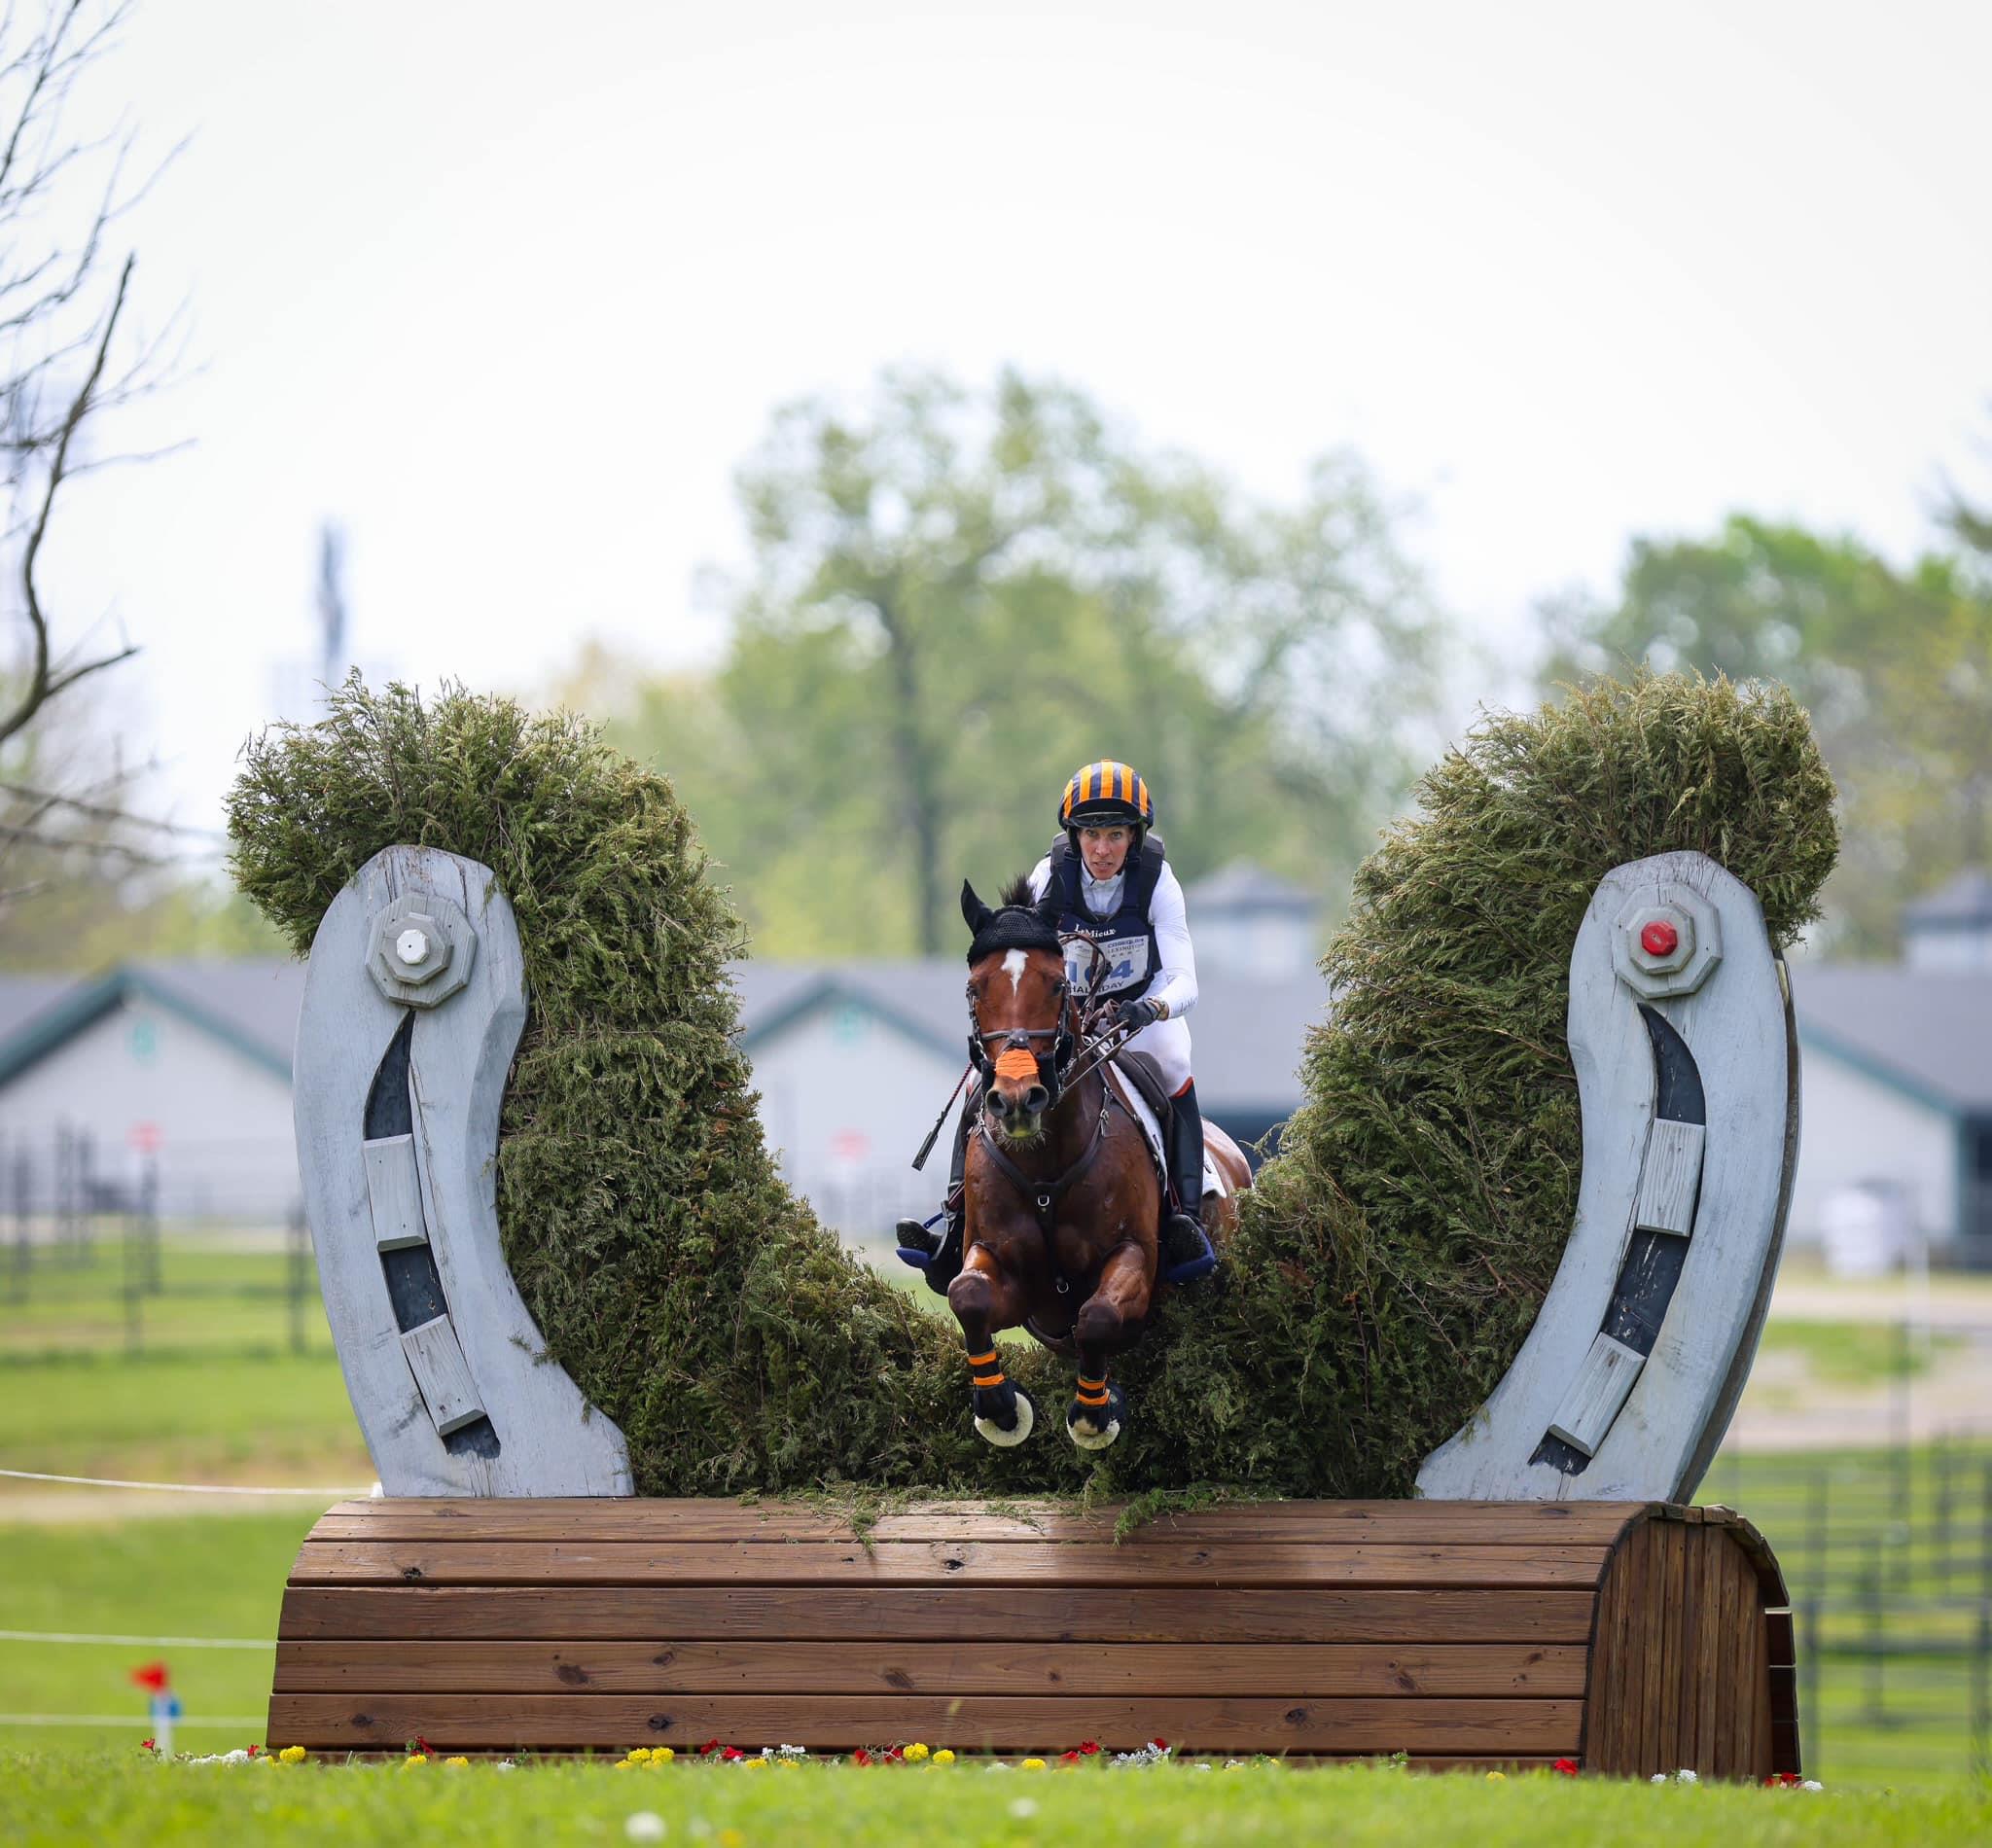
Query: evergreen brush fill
[1386, 1267]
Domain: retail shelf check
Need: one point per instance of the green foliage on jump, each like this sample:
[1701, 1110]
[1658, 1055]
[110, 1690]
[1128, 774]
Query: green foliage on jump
[1386, 1268]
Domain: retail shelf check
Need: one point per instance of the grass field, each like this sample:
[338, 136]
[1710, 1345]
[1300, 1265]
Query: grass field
[1897, 1549]
[70, 1799]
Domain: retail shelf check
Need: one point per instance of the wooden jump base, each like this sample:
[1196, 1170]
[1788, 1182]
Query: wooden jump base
[1632, 1636]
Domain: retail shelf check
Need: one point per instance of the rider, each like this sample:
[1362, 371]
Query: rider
[1113, 883]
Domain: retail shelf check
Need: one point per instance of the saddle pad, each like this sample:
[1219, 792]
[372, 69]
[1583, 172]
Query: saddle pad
[1214, 1181]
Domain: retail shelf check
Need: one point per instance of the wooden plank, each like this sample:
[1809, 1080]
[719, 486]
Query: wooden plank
[894, 1562]
[1669, 1178]
[1689, 1617]
[1706, 1564]
[436, 1361]
[1596, 1394]
[1781, 1642]
[393, 1192]
[1677, 1668]
[1294, 1670]
[909, 1612]
[601, 1518]
[372, 1722]
[1653, 1621]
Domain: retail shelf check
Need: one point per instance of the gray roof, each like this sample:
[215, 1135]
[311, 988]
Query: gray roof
[1965, 900]
[22, 997]
[1246, 886]
[1249, 1034]
[1926, 1032]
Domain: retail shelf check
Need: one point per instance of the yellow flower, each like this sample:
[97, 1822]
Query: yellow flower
[414, 1758]
[663, 1755]
[458, 1764]
[1497, 1777]
[293, 1755]
[944, 1756]
[750, 1763]
[623, 1764]
[639, 1755]
[1034, 1764]
[731, 1838]
[915, 1753]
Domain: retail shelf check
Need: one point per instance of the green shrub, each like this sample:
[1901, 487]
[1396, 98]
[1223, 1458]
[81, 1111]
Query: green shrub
[1384, 1271]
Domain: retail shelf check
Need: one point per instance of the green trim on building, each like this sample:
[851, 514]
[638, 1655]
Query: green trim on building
[55, 1027]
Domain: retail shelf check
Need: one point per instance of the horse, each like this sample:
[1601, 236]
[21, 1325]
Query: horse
[1063, 1205]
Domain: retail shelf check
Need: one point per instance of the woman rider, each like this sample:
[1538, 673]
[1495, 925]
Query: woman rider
[1113, 883]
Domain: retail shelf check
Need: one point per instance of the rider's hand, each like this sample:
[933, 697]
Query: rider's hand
[1136, 1014]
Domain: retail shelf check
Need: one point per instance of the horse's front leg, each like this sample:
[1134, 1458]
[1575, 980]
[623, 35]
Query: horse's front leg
[1109, 1319]
[986, 1298]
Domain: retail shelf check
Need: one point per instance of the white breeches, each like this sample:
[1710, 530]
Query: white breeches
[1167, 1043]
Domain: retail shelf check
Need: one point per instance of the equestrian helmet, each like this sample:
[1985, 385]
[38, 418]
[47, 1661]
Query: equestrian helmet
[1106, 795]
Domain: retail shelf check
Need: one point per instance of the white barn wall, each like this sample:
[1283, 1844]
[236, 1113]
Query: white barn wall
[845, 1097]
[1857, 1128]
[225, 1149]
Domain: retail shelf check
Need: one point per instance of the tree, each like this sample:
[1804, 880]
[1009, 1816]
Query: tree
[64, 365]
[1895, 666]
[956, 598]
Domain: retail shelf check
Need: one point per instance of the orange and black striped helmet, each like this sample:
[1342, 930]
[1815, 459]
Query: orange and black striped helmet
[1106, 795]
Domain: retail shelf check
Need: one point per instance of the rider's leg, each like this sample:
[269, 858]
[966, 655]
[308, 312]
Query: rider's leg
[940, 1246]
[1186, 1251]
[986, 1298]
[1107, 1322]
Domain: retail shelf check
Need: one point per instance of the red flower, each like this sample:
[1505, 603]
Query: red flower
[146, 1745]
[1568, 1766]
[1089, 1747]
[861, 1757]
[1784, 1780]
[728, 1753]
[1160, 1745]
[708, 1747]
[1068, 1758]
[153, 1674]
[254, 1749]
[420, 1748]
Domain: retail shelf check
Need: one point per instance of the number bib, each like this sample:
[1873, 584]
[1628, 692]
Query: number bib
[1122, 962]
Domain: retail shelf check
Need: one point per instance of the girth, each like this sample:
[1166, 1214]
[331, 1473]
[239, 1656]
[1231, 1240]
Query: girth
[1045, 1195]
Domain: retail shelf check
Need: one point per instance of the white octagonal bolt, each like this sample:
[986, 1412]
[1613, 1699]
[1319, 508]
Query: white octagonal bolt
[1666, 941]
[420, 948]
[412, 946]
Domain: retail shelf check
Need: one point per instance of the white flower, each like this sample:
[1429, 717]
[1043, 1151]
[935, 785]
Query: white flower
[645, 1824]
[1812, 1783]
[1659, 1777]
[1023, 1806]
[505, 1764]
[999, 1765]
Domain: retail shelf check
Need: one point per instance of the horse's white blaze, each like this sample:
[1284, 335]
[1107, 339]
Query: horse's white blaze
[1014, 961]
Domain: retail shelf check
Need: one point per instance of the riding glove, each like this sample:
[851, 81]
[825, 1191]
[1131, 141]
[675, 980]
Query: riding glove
[1136, 1014]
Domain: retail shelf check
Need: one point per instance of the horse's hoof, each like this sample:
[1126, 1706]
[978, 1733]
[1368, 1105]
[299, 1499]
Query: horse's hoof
[1080, 1426]
[1023, 1418]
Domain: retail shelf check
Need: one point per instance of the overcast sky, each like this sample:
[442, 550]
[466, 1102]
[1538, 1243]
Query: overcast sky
[508, 290]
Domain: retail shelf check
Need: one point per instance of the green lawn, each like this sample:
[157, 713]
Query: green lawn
[56, 1800]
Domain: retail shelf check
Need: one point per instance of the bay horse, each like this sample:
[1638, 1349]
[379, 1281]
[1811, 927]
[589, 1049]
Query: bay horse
[1063, 1203]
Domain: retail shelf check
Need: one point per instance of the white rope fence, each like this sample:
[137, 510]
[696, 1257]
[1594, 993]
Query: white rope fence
[346, 1493]
[139, 1642]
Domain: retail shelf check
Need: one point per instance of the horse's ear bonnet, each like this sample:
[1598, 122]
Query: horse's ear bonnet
[1017, 925]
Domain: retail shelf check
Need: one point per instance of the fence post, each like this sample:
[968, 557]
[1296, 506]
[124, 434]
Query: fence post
[1872, 1644]
[1982, 1696]
[1899, 1458]
[135, 1282]
[1816, 1542]
[295, 1274]
[63, 1197]
[86, 1198]
[149, 1222]
[22, 1168]
[1811, 1727]
[1943, 1449]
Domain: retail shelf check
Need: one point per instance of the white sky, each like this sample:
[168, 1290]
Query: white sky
[508, 290]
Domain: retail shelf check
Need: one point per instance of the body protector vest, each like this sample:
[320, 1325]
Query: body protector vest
[1130, 959]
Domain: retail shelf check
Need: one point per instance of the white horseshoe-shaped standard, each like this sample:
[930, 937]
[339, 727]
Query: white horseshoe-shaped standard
[1630, 1377]
[446, 1372]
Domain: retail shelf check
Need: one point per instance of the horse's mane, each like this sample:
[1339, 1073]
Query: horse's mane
[1016, 923]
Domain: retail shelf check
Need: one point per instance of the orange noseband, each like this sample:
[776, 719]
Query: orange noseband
[1017, 1062]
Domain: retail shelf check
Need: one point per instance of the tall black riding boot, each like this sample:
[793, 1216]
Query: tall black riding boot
[1186, 1254]
[938, 1254]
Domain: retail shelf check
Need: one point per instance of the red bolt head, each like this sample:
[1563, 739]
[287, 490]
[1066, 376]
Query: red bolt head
[1659, 938]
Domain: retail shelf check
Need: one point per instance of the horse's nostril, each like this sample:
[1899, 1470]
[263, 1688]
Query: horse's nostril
[998, 1104]
[1035, 1099]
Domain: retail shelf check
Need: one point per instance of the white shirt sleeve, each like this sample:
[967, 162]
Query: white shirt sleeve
[1041, 877]
[1176, 987]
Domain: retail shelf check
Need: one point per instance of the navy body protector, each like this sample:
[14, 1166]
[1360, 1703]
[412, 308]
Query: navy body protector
[1127, 939]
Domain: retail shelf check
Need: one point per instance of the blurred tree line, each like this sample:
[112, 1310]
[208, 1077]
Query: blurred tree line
[956, 598]
[1895, 664]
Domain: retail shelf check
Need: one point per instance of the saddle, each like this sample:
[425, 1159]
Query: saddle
[1145, 1076]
